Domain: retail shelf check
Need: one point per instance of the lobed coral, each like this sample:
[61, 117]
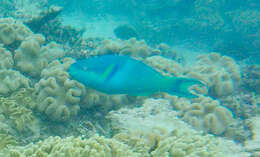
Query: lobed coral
[165, 65]
[31, 57]
[75, 147]
[11, 81]
[12, 31]
[130, 47]
[220, 73]
[6, 59]
[204, 114]
[57, 95]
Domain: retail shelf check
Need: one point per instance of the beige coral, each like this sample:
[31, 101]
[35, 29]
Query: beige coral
[220, 73]
[57, 95]
[130, 47]
[31, 57]
[75, 147]
[165, 65]
[204, 113]
[6, 59]
[19, 116]
[28, 56]
[155, 130]
[11, 81]
[12, 30]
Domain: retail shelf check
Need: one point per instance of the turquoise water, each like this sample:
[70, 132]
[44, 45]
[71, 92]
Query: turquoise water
[216, 42]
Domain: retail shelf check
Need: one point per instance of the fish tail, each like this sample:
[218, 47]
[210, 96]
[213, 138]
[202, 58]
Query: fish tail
[180, 86]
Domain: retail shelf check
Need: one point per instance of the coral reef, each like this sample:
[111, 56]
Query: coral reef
[6, 59]
[57, 95]
[154, 130]
[45, 16]
[22, 9]
[11, 81]
[75, 147]
[245, 21]
[251, 78]
[203, 113]
[220, 73]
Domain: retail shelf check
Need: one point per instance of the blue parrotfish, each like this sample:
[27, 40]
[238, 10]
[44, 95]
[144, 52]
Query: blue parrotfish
[117, 74]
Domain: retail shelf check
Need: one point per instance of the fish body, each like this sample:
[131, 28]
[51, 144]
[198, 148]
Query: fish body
[114, 74]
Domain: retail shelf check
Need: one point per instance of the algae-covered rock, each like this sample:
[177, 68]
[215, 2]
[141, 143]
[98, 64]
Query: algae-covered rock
[11, 81]
[57, 95]
[75, 147]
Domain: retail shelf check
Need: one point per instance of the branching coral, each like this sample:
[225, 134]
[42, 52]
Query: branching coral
[6, 140]
[220, 73]
[57, 95]
[75, 147]
[11, 81]
[18, 116]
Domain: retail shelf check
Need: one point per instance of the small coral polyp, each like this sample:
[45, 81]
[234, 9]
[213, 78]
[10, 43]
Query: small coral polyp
[220, 73]
[57, 95]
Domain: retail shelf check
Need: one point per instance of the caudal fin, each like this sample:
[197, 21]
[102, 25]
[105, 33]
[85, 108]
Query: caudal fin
[180, 86]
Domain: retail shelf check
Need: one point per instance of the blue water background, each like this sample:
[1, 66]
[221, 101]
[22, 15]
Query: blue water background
[227, 27]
